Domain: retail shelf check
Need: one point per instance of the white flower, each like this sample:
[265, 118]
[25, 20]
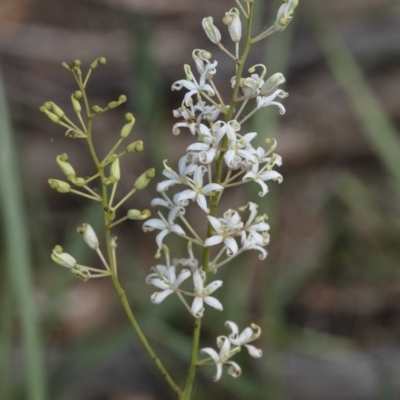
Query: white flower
[211, 30]
[256, 227]
[249, 243]
[247, 336]
[222, 358]
[260, 176]
[201, 58]
[232, 19]
[164, 226]
[173, 177]
[165, 279]
[192, 85]
[240, 148]
[208, 149]
[265, 101]
[225, 228]
[271, 84]
[202, 294]
[197, 190]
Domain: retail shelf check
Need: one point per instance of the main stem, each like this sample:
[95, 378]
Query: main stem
[121, 292]
[187, 393]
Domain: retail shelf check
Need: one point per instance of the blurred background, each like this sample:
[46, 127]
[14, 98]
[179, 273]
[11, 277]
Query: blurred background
[328, 295]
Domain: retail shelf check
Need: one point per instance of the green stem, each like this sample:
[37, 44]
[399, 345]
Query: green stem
[114, 277]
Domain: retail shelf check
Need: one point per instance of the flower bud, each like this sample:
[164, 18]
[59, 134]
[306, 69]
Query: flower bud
[126, 129]
[115, 172]
[110, 214]
[97, 109]
[285, 14]
[57, 110]
[75, 103]
[144, 179]
[61, 258]
[121, 99]
[78, 181]
[89, 235]
[95, 63]
[60, 186]
[65, 166]
[211, 30]
[138, 215]
[232, 20]
[52, 116]
[113, 242]
[135, 147]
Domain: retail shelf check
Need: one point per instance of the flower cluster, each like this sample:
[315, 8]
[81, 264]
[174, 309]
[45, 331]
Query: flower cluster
[222, 155]
[230, 345]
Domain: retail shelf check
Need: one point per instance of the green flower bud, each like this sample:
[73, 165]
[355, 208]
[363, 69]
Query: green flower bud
[65, 65]
[126, 129]
[115, 171]
[121, 99]
[65, 166]
[135, 147]
[144, 179]
[77, 63]
[75, 103]
[110, 214]
[78, 181]
[138, 215]
[188, 72]
[60, 186]
[57, 110]
[52, 116]
[97, 109]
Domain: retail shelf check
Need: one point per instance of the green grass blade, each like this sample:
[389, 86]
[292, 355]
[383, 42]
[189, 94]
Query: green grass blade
[18, 260]
[377, 126]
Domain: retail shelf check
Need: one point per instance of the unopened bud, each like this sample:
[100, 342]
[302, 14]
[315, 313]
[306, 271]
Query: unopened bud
[115, 171]
[121, 99]
[60, 186]
[232, 20]
[97, 109]
[144, 179]
[66, 167]
[52, 116]
[95, 63]
[138, 215]
[61, 258]
[89, 235]
[126, 129]
[211, 30]
[75, 103]
[135, 147]
[110, 214]
[57, 110]
[81, 272]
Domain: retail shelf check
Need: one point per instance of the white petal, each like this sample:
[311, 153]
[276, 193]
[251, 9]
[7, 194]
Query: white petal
[213, 302]
[213, 240]
[216, 223]
[160, 202]
[212, 187]
[159, 283]
[164, 185]
[274, 175]
[234, 369]
[201, 201]
[211, 352]
[253, 351]
[185, 273]
[232, 245]
[153, 223]
[158, 297]
[213, 286]
[160, 237]
[233, 327]
[198, 280]
[177, 229]
[197, 307]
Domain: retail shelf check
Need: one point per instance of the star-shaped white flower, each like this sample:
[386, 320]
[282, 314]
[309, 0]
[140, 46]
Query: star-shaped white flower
[226, 229]
[262, 175]
[243, 339]
[164, 278]
[193, 86]
[202, 294]
[222, 357]
[265, 101]
[164, 226]
[197, 191]
[173, 178]
[240, 148]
